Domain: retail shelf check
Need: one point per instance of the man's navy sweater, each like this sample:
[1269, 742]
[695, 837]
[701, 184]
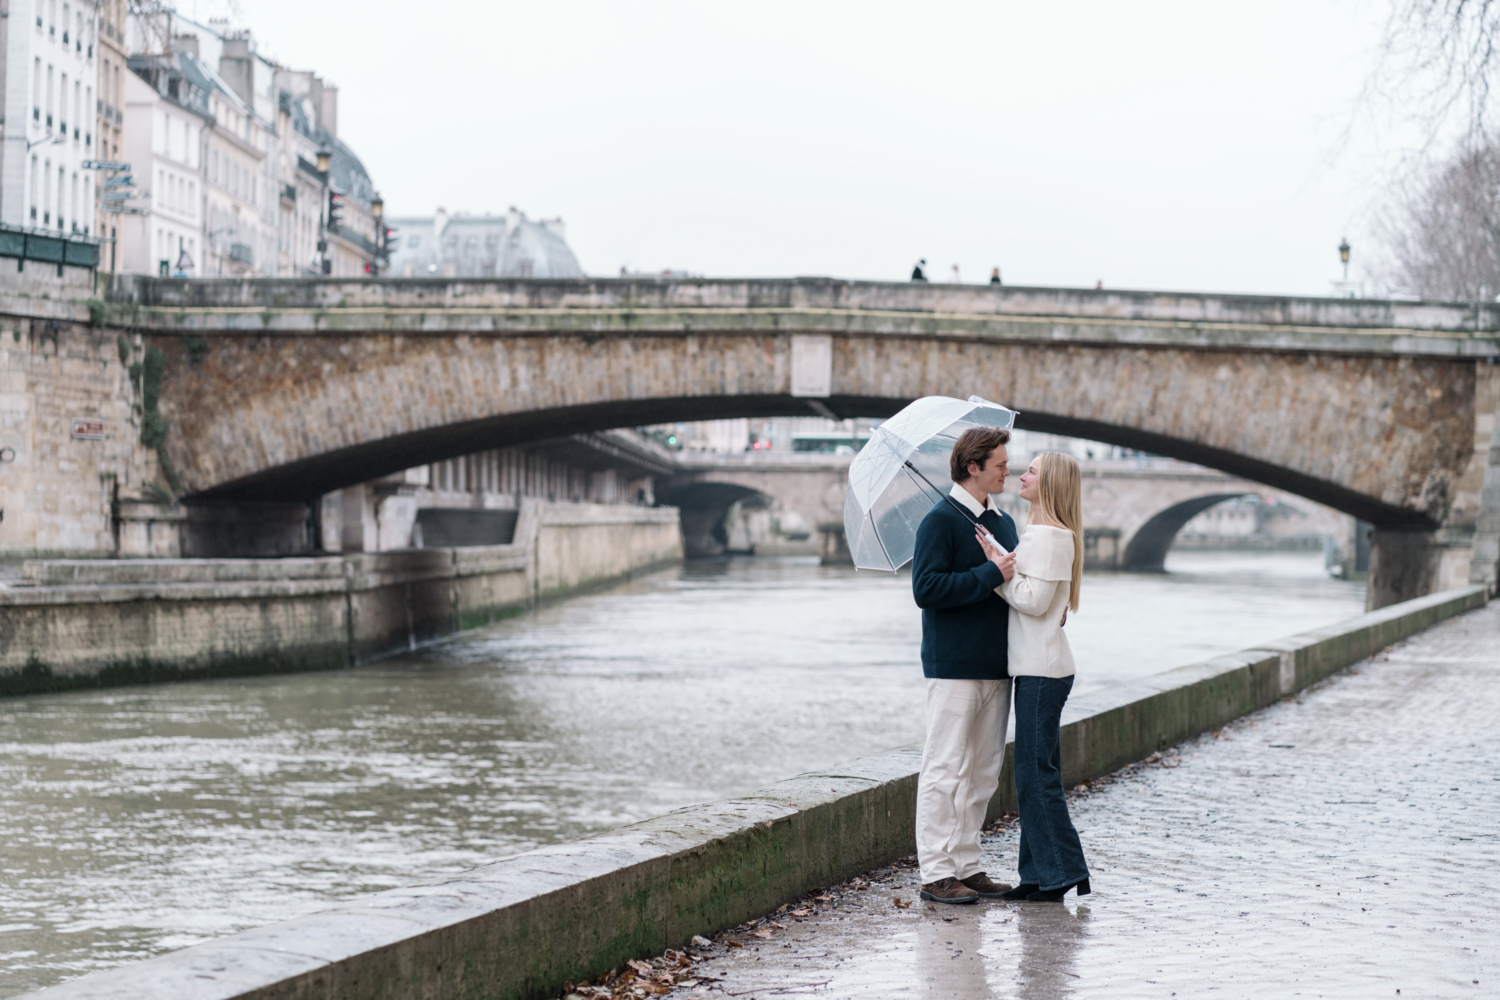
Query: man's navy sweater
[963, 619]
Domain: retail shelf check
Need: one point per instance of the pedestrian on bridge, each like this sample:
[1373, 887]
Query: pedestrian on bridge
[963, 657]
[1046, 570]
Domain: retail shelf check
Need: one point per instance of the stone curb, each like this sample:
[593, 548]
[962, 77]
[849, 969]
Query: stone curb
[520, 927]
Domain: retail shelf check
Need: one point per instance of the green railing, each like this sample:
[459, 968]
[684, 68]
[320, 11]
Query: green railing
[51, 248]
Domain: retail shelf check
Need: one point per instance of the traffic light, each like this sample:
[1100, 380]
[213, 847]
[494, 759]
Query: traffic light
[334, 210]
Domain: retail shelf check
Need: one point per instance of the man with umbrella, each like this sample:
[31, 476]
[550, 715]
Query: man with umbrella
[964, 659]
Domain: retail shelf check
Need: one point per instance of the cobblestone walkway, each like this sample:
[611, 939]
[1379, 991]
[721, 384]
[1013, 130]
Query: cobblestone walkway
[1345, 843]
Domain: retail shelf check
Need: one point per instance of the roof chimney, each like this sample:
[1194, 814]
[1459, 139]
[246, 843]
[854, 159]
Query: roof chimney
[236, 66]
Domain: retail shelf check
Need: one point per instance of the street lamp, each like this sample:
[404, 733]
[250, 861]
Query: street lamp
[325, 160]
[377, 210]
[1344, 257]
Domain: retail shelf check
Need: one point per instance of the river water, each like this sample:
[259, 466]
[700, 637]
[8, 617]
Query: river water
[139, 820]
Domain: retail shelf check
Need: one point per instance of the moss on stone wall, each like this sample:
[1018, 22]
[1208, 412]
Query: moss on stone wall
[37, 677]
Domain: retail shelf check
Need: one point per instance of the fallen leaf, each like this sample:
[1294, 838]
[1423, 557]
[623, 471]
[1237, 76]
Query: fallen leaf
[736, 944]
[825, 899]
[688, 984]
[902, 903]
[779, 927]
[699, 941]
[641, 968]
[762, 933]
[800, 913]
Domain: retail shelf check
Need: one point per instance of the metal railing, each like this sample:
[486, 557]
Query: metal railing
[48, 246]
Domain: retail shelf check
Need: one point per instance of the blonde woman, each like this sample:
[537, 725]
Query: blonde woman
[1044, 587]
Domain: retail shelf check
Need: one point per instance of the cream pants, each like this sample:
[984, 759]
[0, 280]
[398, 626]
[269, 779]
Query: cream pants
[961, 759]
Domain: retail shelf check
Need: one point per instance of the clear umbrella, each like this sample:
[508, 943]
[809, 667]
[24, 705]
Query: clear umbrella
[894, 480]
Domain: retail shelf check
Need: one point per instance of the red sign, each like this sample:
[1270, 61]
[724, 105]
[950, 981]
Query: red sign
[88, 428]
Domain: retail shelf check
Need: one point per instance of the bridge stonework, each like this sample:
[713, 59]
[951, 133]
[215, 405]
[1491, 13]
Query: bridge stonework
[283, 390]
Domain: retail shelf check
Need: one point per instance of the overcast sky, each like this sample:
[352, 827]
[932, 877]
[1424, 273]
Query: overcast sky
[1175, 145]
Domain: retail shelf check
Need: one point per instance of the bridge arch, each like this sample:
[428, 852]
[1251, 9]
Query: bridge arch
[1146, 551]
[704, 507]
[278, 419]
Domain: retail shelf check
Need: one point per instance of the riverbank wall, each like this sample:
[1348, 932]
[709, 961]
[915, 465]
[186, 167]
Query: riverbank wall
[96, 622]
[521, 927]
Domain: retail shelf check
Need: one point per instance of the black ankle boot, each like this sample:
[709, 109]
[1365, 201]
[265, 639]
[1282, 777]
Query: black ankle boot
[1021, 891]
[1056, 895]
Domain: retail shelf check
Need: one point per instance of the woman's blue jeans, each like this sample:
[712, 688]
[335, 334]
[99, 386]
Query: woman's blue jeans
[1051, 856]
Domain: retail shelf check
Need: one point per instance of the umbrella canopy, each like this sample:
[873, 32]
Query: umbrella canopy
[902, 471]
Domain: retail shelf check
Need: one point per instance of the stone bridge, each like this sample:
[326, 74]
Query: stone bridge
[705, 487]
[282, 390]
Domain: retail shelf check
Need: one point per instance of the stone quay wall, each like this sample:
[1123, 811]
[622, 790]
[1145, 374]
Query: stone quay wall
[96, 622]
[521, 927]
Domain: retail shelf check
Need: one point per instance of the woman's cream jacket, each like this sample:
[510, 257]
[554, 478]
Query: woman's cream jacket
[1038, 596]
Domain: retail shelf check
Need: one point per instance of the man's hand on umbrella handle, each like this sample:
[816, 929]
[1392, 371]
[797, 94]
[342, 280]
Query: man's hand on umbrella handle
[1005, 561]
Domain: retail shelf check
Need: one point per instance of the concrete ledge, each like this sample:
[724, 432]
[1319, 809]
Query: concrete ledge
[520, 927]
[94, 623]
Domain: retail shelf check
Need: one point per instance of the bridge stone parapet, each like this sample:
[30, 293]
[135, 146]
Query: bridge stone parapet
[511, 305]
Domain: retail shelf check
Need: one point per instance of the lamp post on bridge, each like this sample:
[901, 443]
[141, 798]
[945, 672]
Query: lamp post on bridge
[325, 161]
[1344, 257]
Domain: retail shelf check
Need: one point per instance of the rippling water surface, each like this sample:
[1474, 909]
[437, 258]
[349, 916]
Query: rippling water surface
[138, 820]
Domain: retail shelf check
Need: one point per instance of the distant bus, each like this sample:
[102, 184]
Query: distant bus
[829, 444]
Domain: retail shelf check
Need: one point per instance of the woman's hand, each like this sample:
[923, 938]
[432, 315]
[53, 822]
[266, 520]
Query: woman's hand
[1005, 561]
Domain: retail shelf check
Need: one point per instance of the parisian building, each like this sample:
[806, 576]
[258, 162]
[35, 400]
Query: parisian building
[51, 55]
[480, 246]
[109, 132]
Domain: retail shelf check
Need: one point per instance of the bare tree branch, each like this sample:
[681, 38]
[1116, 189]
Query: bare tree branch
[1437, 61]
[1442, 235]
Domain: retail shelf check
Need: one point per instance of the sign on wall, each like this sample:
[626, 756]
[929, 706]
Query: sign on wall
[88, 428]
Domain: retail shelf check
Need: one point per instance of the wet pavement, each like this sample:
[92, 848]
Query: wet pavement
[1344, 843]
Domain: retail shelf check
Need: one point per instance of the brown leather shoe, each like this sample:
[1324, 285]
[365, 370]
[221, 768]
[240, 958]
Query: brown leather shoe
[948, 890]
[981, 883]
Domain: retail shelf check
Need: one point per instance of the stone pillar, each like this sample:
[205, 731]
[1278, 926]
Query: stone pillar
[330, 508]
[1484, 566]
[1408, 564]
[148, 529]
[361, 532]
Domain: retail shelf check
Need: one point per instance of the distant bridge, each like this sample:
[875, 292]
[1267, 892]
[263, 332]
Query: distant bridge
[1133, 510]
[287, 389]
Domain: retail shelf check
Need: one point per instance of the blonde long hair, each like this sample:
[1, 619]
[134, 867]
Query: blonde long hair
[1059, 491]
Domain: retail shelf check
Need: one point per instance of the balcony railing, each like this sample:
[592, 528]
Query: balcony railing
[351, 237]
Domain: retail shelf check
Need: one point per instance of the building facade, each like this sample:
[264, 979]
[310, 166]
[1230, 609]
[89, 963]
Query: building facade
[480, 246]
[166, 118]
[110, 127]
[50, 72]
[224, 147]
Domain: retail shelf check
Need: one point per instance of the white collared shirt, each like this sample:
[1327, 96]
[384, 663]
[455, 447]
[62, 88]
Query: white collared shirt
[966, 498]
